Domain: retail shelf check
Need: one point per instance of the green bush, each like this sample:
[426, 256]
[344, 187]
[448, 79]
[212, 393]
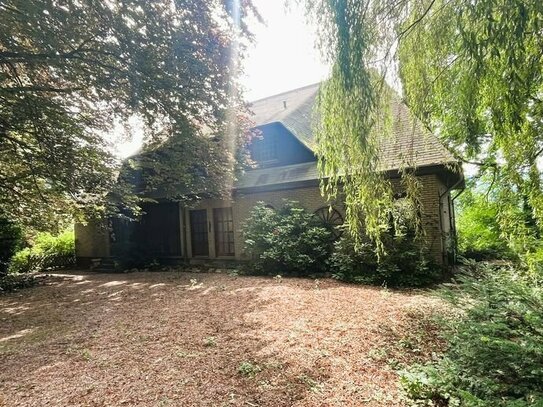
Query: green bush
[10, 239]
[289, 240]
[46, 252]
[405, 263]
[479, 234]
[12, 282]
[495, 354]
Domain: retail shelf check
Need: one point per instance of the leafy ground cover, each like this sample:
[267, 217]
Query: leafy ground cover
[190, 339]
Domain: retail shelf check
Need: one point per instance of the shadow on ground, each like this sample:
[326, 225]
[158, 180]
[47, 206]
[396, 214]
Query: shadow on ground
[182, 339]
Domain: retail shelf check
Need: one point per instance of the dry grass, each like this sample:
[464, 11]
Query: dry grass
[181, 339]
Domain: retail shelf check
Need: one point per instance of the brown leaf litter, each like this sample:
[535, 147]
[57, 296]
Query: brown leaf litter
[185, 339]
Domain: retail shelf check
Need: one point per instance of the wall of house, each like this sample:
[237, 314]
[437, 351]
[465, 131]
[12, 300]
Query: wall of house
[431, 216]
[436, 214]
[91, 241]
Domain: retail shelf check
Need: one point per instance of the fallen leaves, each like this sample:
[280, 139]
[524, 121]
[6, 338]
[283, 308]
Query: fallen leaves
[182, 339]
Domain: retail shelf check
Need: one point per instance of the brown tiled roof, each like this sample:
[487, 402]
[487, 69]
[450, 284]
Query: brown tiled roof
[410, 144]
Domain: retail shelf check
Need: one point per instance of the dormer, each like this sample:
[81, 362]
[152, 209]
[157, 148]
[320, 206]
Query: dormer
[274, 145]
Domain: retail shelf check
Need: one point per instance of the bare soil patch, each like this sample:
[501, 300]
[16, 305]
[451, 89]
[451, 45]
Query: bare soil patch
[184, 339]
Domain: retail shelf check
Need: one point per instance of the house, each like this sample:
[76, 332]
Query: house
[287, 169]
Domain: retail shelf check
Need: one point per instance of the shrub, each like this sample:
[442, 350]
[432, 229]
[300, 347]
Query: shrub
[12, 282]
[289, 240]
[495, 353]
[47, 251]
[10, 239]
[479, 235]
[405, 263]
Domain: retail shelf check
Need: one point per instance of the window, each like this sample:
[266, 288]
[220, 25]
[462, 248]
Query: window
[265, 150]
[198, 229]
[332, 218]
[224, 231]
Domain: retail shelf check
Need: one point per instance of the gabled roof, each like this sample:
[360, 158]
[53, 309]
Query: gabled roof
[293, 109]
[409, 145]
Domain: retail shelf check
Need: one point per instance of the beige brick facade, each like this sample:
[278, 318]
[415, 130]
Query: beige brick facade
[93, 240]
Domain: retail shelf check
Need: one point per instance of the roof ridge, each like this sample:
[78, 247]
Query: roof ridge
[285, 92]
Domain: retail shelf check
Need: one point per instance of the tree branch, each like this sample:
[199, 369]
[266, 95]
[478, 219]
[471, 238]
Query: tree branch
[418, 20]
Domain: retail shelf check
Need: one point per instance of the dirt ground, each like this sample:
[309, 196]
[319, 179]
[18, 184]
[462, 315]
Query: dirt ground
[185, 339]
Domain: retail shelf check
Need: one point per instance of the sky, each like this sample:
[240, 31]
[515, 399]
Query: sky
[283, 56]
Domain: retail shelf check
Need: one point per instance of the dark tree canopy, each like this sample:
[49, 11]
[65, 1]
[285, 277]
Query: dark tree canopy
[73, 71]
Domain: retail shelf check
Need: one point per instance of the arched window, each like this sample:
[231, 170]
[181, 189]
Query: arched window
[332, 218]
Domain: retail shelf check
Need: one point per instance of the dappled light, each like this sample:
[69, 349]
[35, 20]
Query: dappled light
[141, 337]
[16, 335]
[112, 283]
[16, 309]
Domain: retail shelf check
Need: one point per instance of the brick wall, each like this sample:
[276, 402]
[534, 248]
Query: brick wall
[93, 241]
[434, 215]
[431, 217]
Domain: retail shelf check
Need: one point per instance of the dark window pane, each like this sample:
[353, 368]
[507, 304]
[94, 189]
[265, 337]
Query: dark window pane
[224, 231]
[198, 227]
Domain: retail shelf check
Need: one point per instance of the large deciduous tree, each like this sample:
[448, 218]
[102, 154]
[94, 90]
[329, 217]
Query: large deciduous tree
[71, 72]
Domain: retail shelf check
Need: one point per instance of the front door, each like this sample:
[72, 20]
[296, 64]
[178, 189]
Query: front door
[198, 232]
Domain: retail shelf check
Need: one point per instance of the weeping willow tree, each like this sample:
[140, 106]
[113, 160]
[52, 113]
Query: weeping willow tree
[353, 111]
[471, 71]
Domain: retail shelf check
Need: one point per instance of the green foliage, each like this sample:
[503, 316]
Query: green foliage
[404, 264]
[353, 115]
[10, 239]
[495, 354]
[470, 70]
[249, 369]
[46, 252]
[473, 72]
[78, 76]
[13, 282]
[350, 108]
[532, 260]
[479, 233]
[289, 240]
